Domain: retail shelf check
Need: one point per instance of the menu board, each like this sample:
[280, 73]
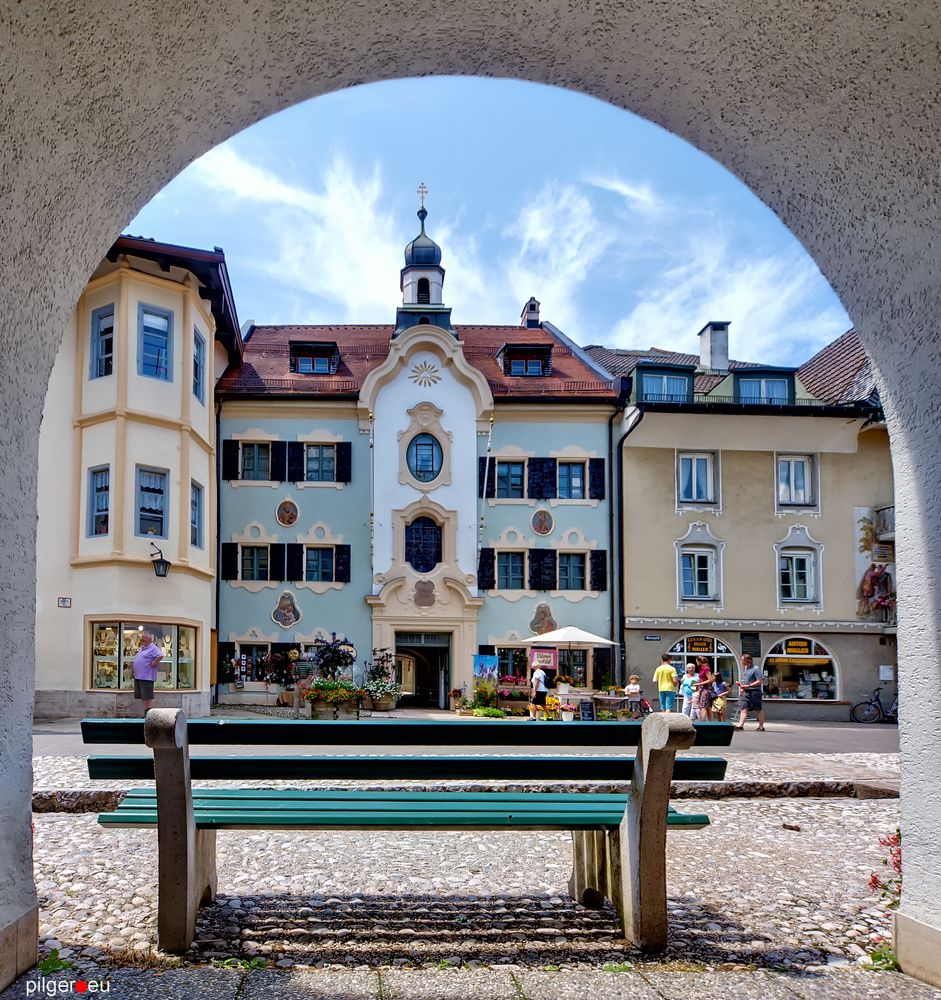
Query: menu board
[586, 711]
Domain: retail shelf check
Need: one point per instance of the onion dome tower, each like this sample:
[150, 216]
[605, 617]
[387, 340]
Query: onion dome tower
[422, 281]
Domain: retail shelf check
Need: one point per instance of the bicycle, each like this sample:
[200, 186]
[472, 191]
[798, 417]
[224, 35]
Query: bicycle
[872, 710]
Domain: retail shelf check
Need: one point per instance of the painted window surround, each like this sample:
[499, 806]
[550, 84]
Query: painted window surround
[425, 418]
[812, 509]
[700, 538]
[699, 506]
[798, 540]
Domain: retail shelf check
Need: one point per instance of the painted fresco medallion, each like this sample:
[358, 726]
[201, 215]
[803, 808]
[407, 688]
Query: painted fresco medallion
[543, 620]
[286, 613]
[542, 521]
[287, 513]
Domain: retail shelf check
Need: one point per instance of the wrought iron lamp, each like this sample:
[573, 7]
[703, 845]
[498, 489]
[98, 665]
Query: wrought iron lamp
[161, 565]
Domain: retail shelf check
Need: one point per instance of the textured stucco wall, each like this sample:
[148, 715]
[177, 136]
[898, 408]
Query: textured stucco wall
[828, 111]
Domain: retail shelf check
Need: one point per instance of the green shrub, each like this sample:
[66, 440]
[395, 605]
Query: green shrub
[489, 713]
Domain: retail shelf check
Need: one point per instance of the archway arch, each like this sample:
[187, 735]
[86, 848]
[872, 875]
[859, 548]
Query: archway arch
[827, 120]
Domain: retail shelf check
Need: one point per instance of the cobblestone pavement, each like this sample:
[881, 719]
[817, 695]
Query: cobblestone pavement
[771, 884]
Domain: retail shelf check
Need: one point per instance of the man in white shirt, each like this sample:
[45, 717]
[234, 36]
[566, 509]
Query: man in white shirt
[540, 691]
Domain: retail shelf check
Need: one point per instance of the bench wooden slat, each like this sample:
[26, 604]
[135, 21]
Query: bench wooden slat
[398, 733]
[242, 768]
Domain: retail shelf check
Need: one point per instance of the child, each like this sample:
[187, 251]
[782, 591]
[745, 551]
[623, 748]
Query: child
[720, 692]
[688, 686]
[633, 695]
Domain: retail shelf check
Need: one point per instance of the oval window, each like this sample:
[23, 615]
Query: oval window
[424, 457]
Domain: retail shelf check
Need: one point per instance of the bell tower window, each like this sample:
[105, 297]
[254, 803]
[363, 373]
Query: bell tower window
[424, 291]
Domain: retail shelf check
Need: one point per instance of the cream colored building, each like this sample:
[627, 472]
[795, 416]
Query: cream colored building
[757, 518]
[127, 458]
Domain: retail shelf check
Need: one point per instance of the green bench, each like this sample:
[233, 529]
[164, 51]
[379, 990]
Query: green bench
[619, 841]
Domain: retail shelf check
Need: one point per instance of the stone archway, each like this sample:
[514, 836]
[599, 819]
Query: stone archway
[828, 113]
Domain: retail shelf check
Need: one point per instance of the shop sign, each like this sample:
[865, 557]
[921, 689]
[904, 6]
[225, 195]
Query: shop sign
[700, 644]
[548, 659]
[797, 647]
[63, 602]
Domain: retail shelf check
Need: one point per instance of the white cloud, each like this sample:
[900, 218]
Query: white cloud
[336, 242]
[560, 241]
[769, 299]
[640, 197]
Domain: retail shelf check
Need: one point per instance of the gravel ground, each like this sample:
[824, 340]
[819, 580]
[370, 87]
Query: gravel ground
[744, 893]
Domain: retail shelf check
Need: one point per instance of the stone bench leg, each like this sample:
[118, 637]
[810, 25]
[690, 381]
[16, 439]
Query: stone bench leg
[587, 884]
[636, 852]
[186, 857]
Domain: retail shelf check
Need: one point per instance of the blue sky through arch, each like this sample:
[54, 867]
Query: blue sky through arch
[627, 235]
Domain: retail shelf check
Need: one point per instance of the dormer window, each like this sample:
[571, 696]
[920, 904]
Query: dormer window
[664, 385]
[314, 359]
[774, 387]
[424, 291]
[527, 361]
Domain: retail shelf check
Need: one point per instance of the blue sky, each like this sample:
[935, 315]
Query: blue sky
[627, 235]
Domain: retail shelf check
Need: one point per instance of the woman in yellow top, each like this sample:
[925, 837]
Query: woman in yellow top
[666, 680]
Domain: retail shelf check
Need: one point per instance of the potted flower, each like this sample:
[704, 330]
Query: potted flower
[330, 698]
[563, 683]
[381, 687]
[568, 711]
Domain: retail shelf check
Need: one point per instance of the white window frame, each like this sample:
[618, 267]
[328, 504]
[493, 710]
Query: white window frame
[812, 479]
[810, 572]
[697, 553]
[712, 465]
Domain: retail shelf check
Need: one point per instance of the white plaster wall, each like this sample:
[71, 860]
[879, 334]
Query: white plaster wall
[460, 418]
[829, 112]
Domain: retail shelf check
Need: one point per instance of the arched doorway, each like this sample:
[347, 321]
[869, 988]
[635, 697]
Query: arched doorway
[795, 108]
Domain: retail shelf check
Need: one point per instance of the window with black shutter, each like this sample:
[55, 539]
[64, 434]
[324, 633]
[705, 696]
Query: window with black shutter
[542, 569]
[596, 486]
[486, 477]
[276, 562]
[598, 570]
[486, 569]
[295, 462]
[541, 478]
[229, 561]
[341, 572]
[230, 460]
[344, 471]
[279, 461]
[487, 650]
[294, 562]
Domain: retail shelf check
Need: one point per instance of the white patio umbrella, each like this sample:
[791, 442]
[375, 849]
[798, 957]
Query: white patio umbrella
[568, 636]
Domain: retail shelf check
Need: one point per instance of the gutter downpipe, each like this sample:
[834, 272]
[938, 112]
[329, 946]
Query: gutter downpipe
[617, 516]
[614, 492]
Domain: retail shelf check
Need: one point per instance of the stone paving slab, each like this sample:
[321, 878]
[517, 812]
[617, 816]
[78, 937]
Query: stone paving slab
[643, 983]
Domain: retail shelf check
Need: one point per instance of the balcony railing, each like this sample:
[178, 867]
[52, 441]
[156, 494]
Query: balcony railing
[704, 399]
[884, 522]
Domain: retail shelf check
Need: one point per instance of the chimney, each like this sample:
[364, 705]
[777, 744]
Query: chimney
[530, 314]
[714, 346]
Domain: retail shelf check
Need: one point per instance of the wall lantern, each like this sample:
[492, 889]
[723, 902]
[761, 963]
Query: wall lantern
[161, 565]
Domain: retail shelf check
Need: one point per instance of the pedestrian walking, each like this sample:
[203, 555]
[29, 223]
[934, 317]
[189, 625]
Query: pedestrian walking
[705, 678]
[666, 680]
[540, 693]
[750, 688]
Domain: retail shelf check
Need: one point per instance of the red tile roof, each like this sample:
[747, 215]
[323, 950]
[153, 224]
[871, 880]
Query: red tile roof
[265, 367]
[841, 372]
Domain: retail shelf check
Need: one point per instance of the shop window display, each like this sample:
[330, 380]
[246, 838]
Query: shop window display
[800, 667]
[719, 656]
[115, 641]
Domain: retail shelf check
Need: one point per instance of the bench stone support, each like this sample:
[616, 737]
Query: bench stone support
[635, 854]
[186, 856]
[588, 884]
